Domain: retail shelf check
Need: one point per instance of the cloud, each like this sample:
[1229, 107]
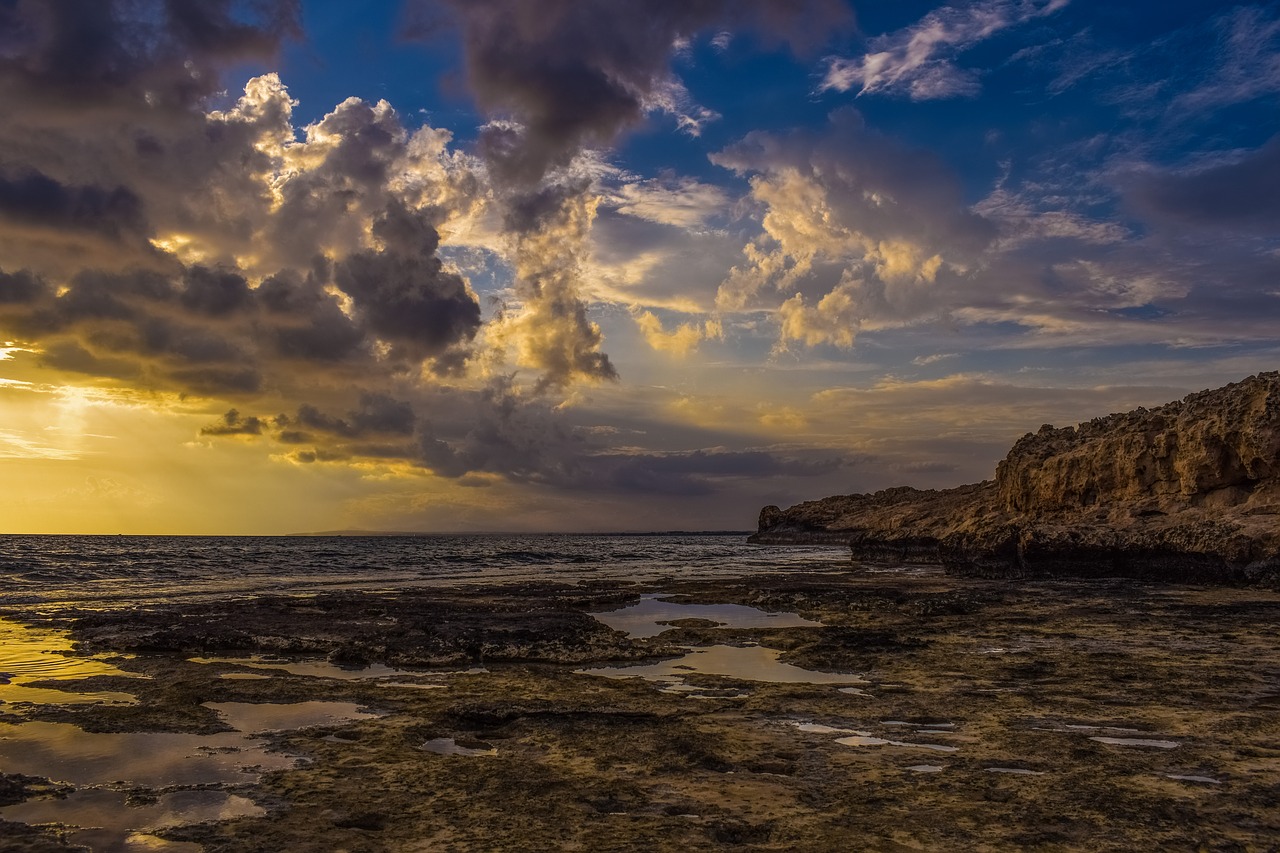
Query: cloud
[680, 341]
[38, 201]
[861, 234]
[683, 203]
[233, 424]
[1244, 64]
[1242, 194]
[300, 261]
[403, 294]
[559, 78]
[377, 414]
[16, 445]
[549, 329]
[853, 220]
[98, 56]
[918, 61]
[576, 73]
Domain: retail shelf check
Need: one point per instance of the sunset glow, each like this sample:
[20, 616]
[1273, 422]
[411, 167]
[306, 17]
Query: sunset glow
[579, 265]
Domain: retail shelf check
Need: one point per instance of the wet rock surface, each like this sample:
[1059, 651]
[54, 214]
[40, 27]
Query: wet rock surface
[1188, 491]
[1024, 703]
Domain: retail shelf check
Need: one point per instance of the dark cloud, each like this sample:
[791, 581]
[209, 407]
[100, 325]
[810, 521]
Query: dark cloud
[36, 200]
[575, 73]
[69, 355]
[403, 293]
[21, 287]
[214, 292]
[354, 149]
[1244, 194]
[216, 381]
[305, 321]
[131, 55]
[501, 431]
[232, 423]
[378, 414]
[203, 331]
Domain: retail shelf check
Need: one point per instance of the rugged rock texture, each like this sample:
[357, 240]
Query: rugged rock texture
[1188, 491]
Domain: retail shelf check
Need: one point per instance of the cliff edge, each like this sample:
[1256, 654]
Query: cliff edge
[1186, 491]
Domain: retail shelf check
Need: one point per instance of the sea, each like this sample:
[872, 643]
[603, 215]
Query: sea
[52, 573]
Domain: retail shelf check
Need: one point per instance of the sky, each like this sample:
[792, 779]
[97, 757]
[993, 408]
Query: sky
[271, 267]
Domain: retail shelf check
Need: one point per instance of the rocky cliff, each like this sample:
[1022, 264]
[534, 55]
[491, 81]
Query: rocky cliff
[1188, 491]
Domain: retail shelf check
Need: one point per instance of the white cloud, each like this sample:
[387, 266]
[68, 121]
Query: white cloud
[684, 203]
[1246, 62]
[918, 60]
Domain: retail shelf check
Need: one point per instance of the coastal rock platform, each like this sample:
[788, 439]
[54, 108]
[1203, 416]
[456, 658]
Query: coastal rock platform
[1186, 491]
[972, 714]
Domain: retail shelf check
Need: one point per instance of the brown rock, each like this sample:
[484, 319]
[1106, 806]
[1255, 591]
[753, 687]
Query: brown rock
[1189, 490]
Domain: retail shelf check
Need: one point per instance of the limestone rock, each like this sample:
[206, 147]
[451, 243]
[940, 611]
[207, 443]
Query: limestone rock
[1189, 490]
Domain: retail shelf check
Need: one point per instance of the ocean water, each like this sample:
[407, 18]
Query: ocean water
[51, 573]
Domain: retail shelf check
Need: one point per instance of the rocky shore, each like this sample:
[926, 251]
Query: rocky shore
[1069, 715]
[1188, 491]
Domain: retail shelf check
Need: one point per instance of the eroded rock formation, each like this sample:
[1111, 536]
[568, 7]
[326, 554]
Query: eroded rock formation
[1189, 491]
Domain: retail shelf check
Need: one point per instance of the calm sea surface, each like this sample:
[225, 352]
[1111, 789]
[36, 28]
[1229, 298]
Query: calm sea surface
[52, 572]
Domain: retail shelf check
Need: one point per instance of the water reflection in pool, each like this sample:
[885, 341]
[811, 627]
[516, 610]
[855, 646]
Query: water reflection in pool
[100, 764]
[110, 823]
[448, 746]
[645, 618]
[747, 663]
[30, 654]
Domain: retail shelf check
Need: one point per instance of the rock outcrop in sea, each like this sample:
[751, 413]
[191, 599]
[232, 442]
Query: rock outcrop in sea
[1187, 491]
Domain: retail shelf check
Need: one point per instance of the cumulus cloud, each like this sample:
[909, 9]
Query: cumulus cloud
[679, 341]
[150, 233]
[863, 224]
[549, 329]
[559, 78]
[918, 61]
[860, 233]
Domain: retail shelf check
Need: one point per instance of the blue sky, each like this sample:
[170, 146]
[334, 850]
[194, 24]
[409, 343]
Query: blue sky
[635, 264]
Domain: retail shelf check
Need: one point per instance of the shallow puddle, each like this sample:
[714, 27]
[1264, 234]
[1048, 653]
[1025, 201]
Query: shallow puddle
[863, 739]
[1137, 741]
[108, 823]
[925, 768]
[98, 762]
[317, 668]
[66, 753]
[646, 617]
[1015, 771]
[854, 737]
[448, 746]
[251, 717]
[746, 663]
[1208, 780]
[41, 654]
[820, 729]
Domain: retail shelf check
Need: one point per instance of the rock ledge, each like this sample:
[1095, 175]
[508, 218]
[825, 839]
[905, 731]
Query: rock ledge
[1186, 491]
